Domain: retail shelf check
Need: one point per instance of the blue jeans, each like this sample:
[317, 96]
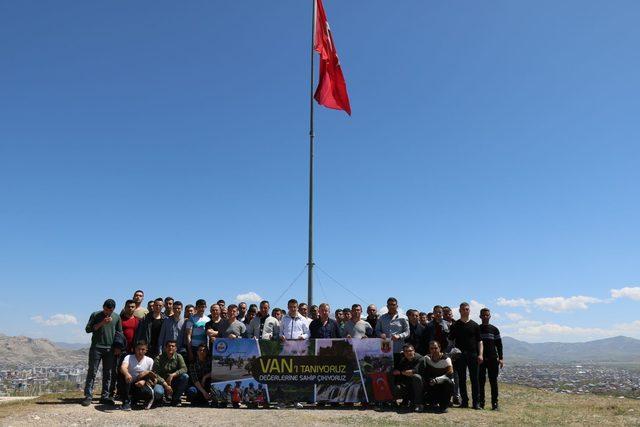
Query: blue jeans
[97, 355]
[178, 384]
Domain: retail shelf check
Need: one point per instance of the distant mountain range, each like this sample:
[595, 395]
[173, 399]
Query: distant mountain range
[24, 351]
[609, 350]
[21, 351]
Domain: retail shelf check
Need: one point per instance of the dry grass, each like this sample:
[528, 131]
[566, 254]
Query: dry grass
[519, 405]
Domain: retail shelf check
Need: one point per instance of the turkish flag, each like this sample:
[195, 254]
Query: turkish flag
[381, 388]
[332, 89]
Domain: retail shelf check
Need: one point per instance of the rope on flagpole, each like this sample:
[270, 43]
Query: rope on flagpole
[290, 285]
[341, 285]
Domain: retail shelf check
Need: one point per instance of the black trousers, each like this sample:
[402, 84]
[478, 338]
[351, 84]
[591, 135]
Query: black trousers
[439, 393]
[116, 376]
[463, 362]
[132, 393]
[411, 386]
[491, 366]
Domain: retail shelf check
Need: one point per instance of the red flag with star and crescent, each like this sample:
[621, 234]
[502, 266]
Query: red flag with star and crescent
[332, 89]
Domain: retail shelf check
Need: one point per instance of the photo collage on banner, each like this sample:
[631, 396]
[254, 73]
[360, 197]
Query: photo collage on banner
[231, 372]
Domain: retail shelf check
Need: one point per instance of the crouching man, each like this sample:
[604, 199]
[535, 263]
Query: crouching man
[406, 375]
[171, 373]
[437, 371]
[137, 378]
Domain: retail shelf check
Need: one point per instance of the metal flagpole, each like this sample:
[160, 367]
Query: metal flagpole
[310, 258]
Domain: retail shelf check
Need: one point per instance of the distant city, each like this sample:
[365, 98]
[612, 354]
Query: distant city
[41, 379]
[38, 379]
[576, 379]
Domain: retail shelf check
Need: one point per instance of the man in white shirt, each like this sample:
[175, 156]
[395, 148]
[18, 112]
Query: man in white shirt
[136, 370]
[293, 326]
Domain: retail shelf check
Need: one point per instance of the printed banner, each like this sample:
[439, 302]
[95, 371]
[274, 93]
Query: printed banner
[254, 371]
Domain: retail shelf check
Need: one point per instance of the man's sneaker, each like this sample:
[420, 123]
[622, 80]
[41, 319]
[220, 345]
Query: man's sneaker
[86, 401]
[149, 404]
[494, 406]
[176, 403]
[126, 406]
[107, 401]
[442, 410]
[456, 400]
[419, 408]
[464, 404]
[298, 405]
[476, 406]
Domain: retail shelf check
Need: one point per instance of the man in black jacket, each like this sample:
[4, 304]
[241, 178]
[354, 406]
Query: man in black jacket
[492, 357]
[416, 336]
[150, 327]
[466, 335]
[324, 326]
[405, 373]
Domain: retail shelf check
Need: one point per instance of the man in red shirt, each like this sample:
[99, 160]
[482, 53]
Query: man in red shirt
[129, 324]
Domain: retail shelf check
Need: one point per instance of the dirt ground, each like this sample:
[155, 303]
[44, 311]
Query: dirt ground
[519, 405]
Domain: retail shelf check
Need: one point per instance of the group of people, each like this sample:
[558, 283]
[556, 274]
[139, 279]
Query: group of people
[155, 353]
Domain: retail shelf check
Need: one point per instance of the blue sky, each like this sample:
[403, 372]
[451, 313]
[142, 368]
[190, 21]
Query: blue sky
[492, 156]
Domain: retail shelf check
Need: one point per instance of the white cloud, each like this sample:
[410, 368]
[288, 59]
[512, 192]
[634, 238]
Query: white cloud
[552, 304]
[56, 320]
[249, 297]
[627, 292]
[519, 302]
[562, 304]
[514, 316]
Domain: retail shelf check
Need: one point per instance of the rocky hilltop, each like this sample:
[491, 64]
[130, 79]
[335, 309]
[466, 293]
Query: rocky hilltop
[23, 351]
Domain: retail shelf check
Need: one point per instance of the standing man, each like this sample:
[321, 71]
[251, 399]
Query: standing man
[447, 315]
[171, 329]
[251, 313]
[277, 313]
[195, 333]
[168, 306]
[232, 327]
[372, 316]
[140, 311]
[149, 328]
[438, 329]
[263, 326]
[492, 357]
[323, 326]
[212, 328]
[423, 319]
[313, 312]
[416, 333]
[303, 308]
[357, 328]
[392, 325]
[129, 324]
[103, 326]
[293, 326]
[242, 311]
[466, 335]
[171, 372]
